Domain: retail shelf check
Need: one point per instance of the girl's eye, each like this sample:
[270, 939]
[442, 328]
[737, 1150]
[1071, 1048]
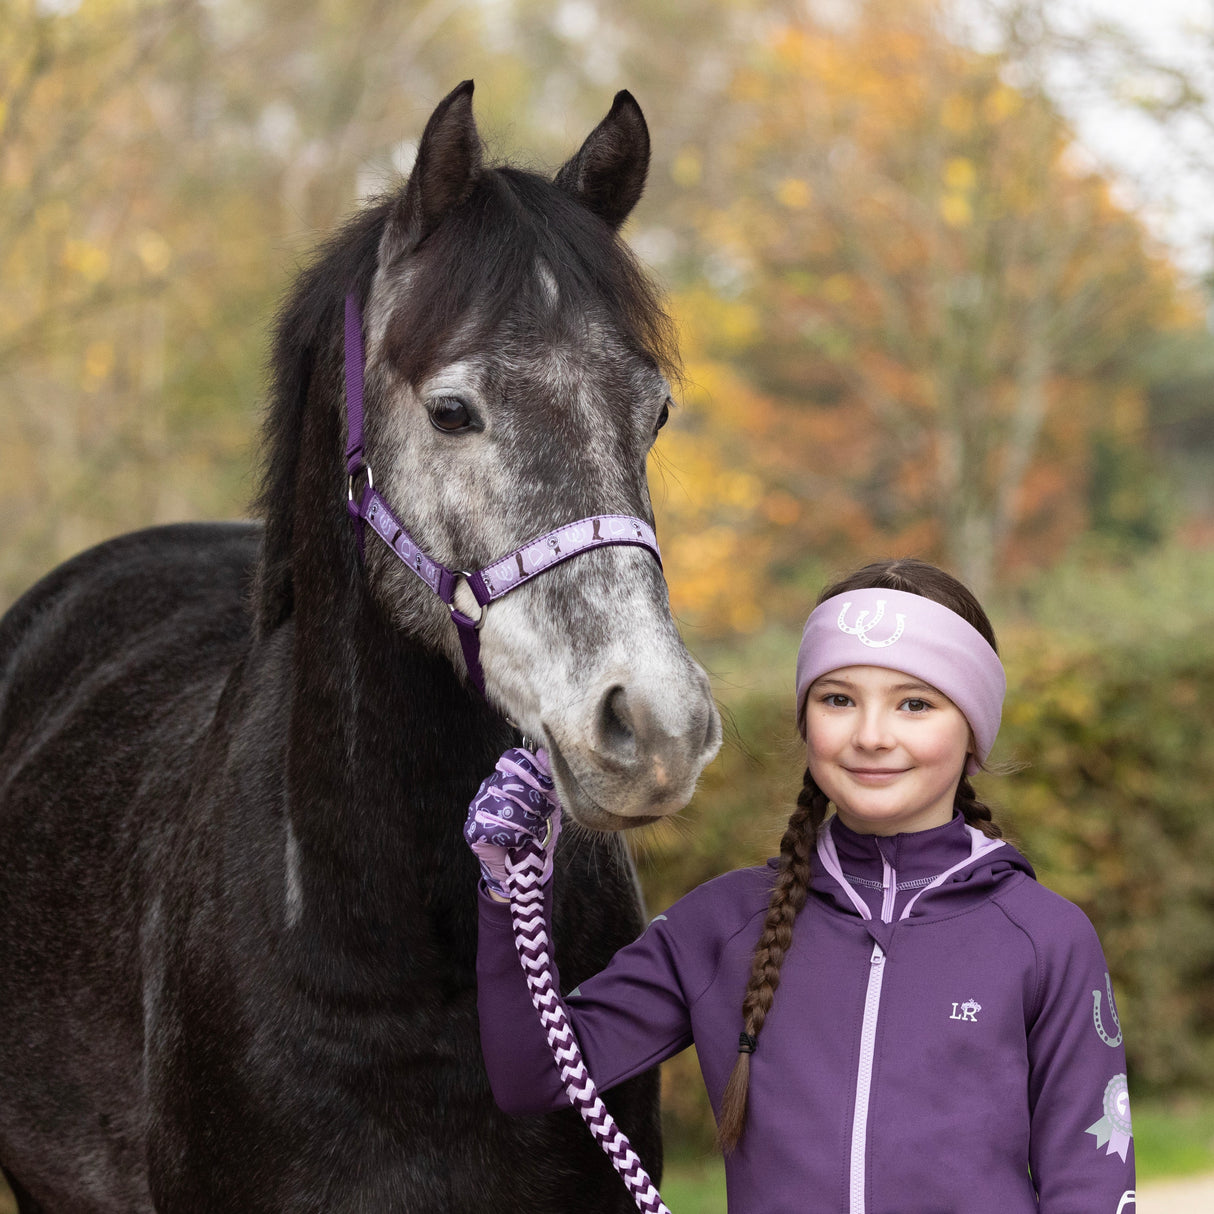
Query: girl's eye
[449, 413]
[664, 416]
[837, 700]
[917, 705]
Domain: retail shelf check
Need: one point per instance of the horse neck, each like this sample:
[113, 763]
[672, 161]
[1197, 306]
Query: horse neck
[386, 746]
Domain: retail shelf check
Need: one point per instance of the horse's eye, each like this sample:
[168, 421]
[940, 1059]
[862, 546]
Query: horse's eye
[664, 416]
[449, 413]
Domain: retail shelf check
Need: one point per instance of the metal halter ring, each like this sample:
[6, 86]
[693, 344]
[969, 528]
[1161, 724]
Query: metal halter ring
[350, 480]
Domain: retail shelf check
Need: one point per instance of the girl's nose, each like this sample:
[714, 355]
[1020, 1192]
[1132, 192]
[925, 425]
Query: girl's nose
[872, 730]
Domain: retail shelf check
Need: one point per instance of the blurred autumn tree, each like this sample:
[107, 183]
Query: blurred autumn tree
[926, 309]
[81, 238]
[1163, 93]
[910, 312]
[164, 165]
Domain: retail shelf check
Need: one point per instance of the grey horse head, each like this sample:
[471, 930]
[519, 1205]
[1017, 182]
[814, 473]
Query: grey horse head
[517, 366]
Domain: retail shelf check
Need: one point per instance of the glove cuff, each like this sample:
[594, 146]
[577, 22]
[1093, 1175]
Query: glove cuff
[493, 892]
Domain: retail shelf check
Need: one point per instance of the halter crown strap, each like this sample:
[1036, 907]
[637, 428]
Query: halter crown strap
[500, 577]
[354, 386]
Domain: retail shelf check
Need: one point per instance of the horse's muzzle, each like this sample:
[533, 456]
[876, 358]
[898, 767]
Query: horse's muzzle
[634, 764]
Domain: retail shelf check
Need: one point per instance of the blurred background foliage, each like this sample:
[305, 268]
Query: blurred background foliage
[917, 316]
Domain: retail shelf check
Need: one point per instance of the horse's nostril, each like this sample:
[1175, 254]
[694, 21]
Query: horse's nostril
[617, 733]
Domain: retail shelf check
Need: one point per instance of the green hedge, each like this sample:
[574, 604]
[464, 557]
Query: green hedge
[1113, 807]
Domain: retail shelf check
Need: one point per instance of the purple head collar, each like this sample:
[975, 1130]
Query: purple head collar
[496, 579]
[916, 635]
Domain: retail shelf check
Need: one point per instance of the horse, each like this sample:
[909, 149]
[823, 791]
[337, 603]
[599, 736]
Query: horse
[237, 916]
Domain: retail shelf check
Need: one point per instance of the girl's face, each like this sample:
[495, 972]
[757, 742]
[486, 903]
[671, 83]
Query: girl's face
[888, 749]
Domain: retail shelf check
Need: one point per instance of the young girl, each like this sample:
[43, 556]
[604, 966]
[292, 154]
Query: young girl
[892, 1017]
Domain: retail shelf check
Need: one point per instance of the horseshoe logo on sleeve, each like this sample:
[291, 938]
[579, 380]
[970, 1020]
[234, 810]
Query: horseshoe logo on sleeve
[1104, 1036]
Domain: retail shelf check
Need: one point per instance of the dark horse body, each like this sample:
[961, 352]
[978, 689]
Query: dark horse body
[237, 919]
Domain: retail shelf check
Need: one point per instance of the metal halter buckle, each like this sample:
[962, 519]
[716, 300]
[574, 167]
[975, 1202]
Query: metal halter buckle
[350, 480]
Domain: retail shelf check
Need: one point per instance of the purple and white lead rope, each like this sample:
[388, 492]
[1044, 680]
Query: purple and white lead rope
[525, 884]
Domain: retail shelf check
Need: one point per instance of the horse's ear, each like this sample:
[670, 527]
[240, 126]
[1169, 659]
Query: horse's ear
[608, 172]
[447, 164]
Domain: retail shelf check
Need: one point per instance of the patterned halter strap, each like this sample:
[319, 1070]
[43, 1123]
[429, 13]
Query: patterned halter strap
[494, 580]
[525, 873]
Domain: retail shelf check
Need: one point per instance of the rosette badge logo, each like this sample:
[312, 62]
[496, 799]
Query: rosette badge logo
[1114, 1127]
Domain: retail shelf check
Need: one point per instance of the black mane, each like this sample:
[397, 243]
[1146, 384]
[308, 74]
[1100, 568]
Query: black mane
[307, 344]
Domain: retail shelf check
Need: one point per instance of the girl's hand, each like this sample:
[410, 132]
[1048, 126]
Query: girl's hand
[515, 805]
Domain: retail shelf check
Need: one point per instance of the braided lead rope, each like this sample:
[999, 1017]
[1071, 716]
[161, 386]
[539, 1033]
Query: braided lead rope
[525, 872]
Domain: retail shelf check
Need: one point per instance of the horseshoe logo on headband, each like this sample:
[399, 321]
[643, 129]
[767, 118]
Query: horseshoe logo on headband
[860, 629]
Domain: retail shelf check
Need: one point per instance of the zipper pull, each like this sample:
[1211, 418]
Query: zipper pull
[889, 886]
[878, 957]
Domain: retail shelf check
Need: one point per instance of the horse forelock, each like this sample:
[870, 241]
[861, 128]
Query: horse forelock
[519, 247]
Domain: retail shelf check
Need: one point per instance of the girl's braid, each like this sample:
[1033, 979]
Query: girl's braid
[974, 811]
[787, 899]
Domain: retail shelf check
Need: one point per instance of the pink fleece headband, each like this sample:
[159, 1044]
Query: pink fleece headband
[913, 634]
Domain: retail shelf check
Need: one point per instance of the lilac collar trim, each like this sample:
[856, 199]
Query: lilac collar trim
[980, 845]
[828, 854]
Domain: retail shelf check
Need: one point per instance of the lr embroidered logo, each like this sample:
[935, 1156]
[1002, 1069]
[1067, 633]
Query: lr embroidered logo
[860, 629]
[966, 1011]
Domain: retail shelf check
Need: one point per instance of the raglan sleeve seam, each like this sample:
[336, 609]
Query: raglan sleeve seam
[722, 950]
[1038, 967]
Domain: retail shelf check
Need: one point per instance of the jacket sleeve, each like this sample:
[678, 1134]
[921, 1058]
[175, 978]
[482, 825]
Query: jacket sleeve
[627, 1018]
[1081, 1150]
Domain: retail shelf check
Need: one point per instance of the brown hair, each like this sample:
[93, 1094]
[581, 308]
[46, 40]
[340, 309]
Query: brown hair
[800, 836]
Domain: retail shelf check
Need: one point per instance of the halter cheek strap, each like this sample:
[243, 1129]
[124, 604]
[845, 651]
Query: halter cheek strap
[496, 579]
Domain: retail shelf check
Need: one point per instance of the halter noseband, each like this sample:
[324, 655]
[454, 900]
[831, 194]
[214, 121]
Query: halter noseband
[494, 580]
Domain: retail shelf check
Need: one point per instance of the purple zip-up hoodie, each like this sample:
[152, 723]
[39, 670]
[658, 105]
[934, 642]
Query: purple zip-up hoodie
[943, 1038]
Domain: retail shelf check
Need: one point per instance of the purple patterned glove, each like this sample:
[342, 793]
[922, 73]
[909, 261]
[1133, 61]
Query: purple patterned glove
[515, 804]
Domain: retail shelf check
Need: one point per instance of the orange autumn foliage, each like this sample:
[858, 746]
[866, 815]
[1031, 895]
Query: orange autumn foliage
[929, 310]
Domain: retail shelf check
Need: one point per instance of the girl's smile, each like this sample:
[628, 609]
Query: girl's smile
[886, 748]
[875, 775]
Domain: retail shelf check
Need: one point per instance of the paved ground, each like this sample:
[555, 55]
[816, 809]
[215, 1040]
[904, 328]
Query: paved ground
[1192, 1196]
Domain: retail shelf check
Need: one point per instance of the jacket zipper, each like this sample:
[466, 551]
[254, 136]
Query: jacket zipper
[864, 1078]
